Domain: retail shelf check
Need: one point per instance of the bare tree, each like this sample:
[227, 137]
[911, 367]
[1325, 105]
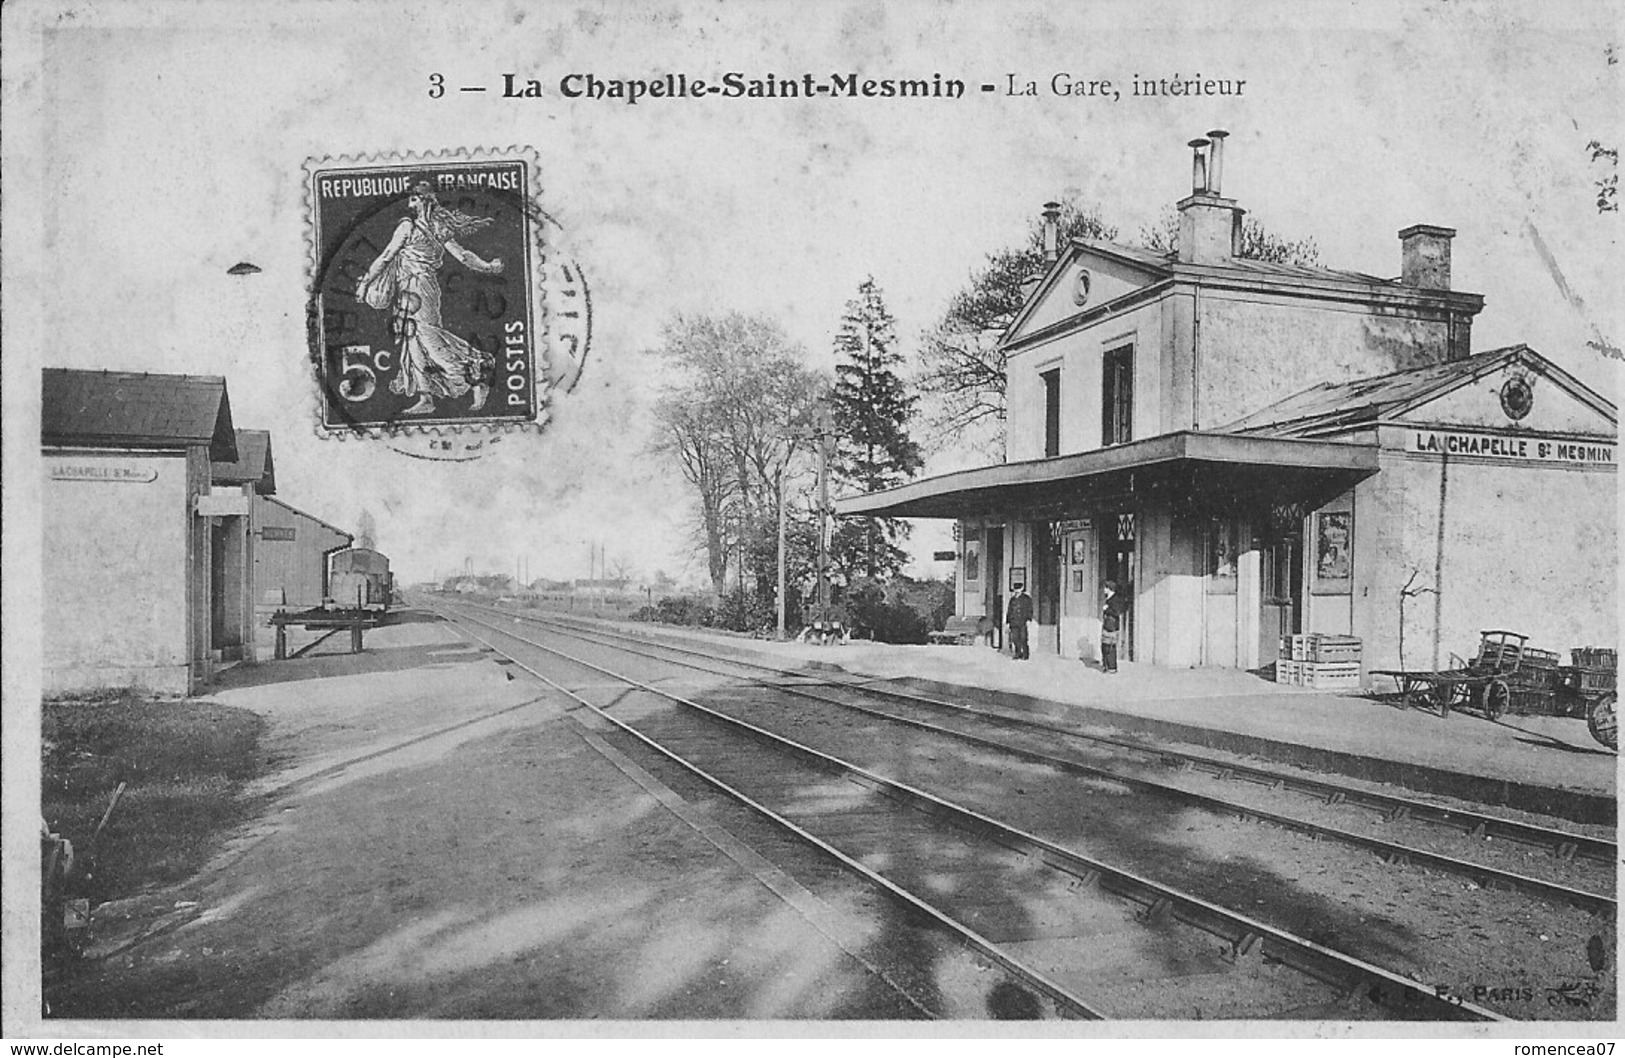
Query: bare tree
[621, 569]
[736, 385]
[962, 364]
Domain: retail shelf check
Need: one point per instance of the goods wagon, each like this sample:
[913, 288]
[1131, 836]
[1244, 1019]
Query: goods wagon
[359, 576]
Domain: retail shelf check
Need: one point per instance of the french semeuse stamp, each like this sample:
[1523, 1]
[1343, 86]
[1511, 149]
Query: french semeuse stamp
[426, 311]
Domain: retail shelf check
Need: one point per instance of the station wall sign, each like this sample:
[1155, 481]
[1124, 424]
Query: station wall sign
[103, 472]
[1503, 446]
[278, 532]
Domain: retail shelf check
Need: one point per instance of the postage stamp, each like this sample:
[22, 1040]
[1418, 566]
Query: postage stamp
[428, 295]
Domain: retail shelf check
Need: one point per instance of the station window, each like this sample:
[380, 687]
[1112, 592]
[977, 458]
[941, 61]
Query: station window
[1052, 412]
[1117, 397]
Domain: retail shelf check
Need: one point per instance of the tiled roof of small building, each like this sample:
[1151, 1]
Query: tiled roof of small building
[252, 466]
[1333, 405]
[123, 409]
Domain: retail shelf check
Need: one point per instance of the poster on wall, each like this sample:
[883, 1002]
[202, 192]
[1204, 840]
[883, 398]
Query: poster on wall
[1221, 549]
[1333, 566]
[973, 560]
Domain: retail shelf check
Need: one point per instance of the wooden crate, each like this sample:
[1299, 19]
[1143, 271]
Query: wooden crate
[1334, 649]
[1330, 675]
[1288, 673]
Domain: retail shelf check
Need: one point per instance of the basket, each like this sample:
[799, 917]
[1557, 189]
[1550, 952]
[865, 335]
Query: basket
[1595, 681]
[1595, 658]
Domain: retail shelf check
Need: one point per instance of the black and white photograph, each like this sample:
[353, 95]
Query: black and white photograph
[544, 519]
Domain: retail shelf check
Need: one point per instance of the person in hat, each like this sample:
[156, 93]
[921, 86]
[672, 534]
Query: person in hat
[1112, 613]
[404, 279]
[1016, 615]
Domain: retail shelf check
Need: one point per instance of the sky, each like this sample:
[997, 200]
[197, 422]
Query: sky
[150, 146]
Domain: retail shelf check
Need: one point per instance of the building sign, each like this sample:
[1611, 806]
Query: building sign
[1074, 525]
[226, 503]
[138, 475]
[277, 532]
[1483, 446]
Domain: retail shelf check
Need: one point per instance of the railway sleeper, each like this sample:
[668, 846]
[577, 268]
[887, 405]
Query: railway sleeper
[1156, 913]
[1246, 950]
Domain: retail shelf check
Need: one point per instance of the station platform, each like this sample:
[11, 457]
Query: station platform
[1547, 765]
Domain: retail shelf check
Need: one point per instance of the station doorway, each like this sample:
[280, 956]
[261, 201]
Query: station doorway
[1118, 564]
[1281, 592]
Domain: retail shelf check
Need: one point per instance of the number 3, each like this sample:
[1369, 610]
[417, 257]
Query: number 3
[437, 86]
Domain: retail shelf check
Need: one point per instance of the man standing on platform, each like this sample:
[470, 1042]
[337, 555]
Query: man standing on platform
[1016, 616]
[1111, 626]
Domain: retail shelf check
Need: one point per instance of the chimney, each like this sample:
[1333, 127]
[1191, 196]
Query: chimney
[1052, 231]
[1215, 162]
[1209, 226]
[1198, 166]
[1425, 256]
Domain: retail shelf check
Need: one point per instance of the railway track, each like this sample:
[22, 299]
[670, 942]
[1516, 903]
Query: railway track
[1093, 937]
[1322, 807]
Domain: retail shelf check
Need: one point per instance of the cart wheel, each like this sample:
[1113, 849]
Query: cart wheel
[1497, 696]
[1600, 719]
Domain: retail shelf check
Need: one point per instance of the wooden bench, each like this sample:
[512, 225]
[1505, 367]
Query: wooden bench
[960, 631]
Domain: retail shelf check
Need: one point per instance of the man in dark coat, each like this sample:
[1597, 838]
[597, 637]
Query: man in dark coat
[1019, 612]
[1111, 626]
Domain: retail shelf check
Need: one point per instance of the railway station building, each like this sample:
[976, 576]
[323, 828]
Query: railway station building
[1255, 449]
[128, 570]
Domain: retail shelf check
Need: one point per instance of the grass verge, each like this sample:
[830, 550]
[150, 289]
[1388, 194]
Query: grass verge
[184, 764]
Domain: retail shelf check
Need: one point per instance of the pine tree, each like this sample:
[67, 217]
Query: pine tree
[873, 451]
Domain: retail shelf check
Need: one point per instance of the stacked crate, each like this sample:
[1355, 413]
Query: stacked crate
[1319, 661]
[1592, 675]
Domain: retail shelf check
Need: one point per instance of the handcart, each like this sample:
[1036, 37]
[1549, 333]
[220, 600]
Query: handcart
[1485, 683]
[1589, 689]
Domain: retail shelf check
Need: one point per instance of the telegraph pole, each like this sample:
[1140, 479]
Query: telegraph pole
[781, 551]
[826, 434]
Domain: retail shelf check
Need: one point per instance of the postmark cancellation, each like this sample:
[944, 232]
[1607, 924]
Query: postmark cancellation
[427, 310]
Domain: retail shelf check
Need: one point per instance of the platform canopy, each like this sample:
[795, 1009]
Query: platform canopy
[1186, 469]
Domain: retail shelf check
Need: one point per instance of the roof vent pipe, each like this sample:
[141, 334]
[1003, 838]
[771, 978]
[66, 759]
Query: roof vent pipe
[1215, 165]
[1052, 231]
[1198, 166]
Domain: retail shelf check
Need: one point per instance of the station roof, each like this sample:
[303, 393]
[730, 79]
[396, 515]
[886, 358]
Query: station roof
[1335, 407]
[123, 409]
[252, 466]
[1176, 465]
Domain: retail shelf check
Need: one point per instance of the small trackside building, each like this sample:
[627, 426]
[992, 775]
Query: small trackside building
[1256, 449]
[126, 559]
[268, 556]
